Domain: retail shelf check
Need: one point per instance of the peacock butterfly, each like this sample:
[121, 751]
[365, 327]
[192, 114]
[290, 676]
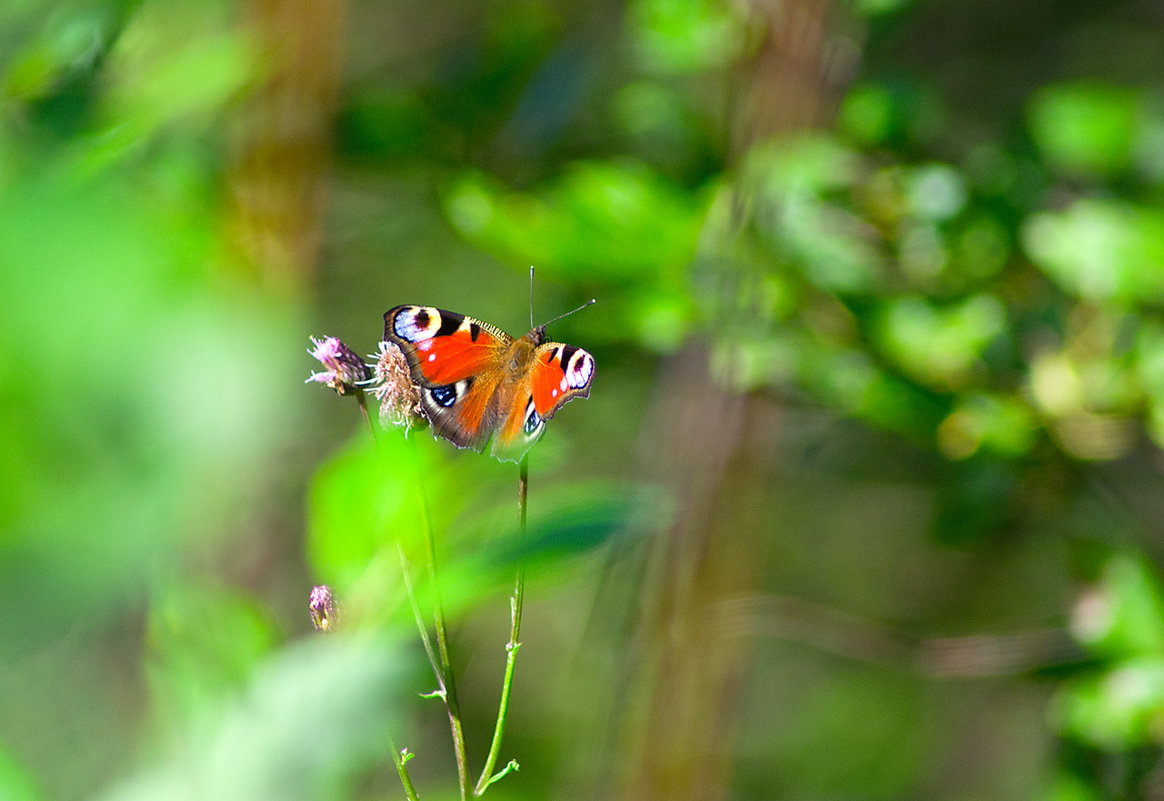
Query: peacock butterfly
[478, 384]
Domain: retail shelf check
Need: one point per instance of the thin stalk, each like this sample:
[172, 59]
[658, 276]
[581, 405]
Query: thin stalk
[400, 759]
[421, 626]
[448, 684]
[515, 604]
[405, 565]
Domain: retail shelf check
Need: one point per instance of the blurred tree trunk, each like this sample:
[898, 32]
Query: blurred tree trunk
[281, 166]
[713, 449]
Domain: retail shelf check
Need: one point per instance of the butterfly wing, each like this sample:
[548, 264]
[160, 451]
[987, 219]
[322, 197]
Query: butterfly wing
[456, 361]
[557, 373]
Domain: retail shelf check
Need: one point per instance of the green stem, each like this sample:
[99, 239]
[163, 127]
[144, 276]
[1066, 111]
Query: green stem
[444, 668]
[406, 571]
[400, 759]
[515, 604]
[445, 677]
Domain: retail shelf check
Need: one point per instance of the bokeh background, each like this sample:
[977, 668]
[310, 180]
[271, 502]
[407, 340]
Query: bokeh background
[866, 500]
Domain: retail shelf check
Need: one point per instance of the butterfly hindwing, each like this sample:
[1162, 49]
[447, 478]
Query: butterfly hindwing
[560, 373]
[557, 373]
[458, 411]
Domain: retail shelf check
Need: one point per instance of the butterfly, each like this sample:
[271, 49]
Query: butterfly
[480, 385]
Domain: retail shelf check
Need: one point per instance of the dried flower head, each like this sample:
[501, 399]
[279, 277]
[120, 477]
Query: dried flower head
[344, 368]
[392, 385]
[324, 608]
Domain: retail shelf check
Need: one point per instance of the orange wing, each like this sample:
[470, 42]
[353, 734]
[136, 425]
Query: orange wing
[560, 373]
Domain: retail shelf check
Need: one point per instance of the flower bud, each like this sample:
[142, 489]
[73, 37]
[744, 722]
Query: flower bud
[324, 608]
[344, 368]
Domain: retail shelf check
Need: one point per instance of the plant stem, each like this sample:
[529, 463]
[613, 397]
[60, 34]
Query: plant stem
[400, 759]
[515, 604]
[421, 626]
[442, 668]
[445, 675]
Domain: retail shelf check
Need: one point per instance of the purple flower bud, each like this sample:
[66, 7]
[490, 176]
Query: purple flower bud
[324, 608]
[344, 368]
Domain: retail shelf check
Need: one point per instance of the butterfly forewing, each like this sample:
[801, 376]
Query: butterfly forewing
[444, 347]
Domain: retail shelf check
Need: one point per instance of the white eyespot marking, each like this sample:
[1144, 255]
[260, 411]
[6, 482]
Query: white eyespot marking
[432, 357]
[580, 370]
[415, 323]
[554, 394]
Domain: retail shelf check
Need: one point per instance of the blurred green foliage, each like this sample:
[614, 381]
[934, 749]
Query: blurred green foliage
[940, 302]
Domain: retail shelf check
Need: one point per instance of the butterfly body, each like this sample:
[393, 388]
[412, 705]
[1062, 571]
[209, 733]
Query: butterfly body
[480, 385]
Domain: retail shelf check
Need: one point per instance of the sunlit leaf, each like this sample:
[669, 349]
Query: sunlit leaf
[1005, 426]
[1101, 249]
[682, 36]
[598, 221]
[1086, 127]
[1121, 708]
[935, 191]
[1124, 615]
[940, 345]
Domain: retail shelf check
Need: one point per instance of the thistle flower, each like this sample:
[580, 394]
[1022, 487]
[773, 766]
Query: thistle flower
[344, 368]
[323, 607]
[393, 387]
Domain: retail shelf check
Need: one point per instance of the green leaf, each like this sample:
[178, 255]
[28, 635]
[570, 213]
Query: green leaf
[1101, 249]
[360, 501]
[599, 221]
[1124, 615]
[867, 114]
[998, 424]
[367, 499]
[1121, 708]
[1086, 128]
[940, 345]
[686, 36]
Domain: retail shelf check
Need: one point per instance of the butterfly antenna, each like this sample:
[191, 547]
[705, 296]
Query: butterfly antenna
[590, 302]
[531, 322]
